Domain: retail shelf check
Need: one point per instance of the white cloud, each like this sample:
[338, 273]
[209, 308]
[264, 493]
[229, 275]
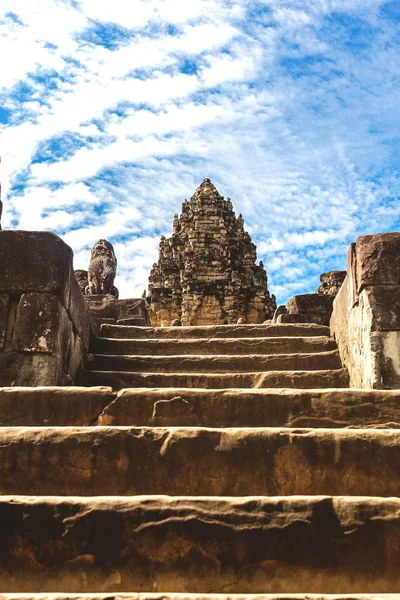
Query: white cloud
[292, 115]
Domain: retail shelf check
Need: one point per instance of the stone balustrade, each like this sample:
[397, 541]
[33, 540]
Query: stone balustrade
[44, 319]
[366, 312]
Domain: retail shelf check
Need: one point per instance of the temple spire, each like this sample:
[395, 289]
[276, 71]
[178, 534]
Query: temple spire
[206, 273]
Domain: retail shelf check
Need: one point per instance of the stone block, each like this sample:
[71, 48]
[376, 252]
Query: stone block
[4, 304]
[317, 307]
[384, 306]
[37, 323]
[309, 303]
[42, 311]
[378, 260]
[35, 261]
[292, 318]
[32, 369]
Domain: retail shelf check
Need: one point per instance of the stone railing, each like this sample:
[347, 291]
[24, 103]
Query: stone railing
[366, 312]
[44, 320]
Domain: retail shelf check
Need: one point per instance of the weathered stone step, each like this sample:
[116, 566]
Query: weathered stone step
[214, 331]
[253, 408]
[191, 596]
[200, 545]
[205, 346]
[337, 378]
[216, 363]
[80, 406]
[198, 461]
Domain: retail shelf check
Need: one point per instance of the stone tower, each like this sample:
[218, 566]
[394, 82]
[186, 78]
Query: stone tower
[206, 272]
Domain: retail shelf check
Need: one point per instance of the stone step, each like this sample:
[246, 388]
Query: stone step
[205, 346]
[337, 378]
[191, 596]
[194, 461]
[214, 331]
[252, 408]
[216, 363]
[200, 545]
[80, 406]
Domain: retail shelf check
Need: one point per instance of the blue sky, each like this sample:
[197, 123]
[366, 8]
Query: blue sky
[111, 113]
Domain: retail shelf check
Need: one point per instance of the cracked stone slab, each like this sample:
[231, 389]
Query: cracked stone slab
[254, 408]
[199, 461]
[200, 545]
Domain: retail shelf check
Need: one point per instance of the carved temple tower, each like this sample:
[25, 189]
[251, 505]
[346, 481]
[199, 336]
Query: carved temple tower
[206, 272]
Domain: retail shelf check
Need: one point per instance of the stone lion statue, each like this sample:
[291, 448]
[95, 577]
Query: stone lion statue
[102, 270]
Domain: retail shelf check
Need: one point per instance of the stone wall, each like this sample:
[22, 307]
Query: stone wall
[366, 312]
[44, 320]
[207, 272]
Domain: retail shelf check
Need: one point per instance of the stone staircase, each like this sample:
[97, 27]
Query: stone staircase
[236, 461]
[215, 357]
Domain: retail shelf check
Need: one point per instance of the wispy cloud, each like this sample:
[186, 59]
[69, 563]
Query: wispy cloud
[112, 113]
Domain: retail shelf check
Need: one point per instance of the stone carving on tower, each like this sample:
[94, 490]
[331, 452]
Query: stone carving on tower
[206, 272]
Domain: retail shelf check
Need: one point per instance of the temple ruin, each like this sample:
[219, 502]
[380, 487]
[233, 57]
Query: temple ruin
[202, 461]
[206, 272]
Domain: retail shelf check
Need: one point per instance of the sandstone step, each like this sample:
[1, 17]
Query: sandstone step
[209, 346]
[199, 461]
[214, 331]
[191, 596]
[200, 545]
[79, 406]
[337, 378]
[216, 363]
[253, 408]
